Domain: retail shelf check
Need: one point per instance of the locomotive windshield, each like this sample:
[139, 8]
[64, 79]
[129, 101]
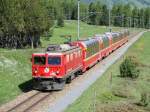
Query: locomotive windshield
[54, 60]
[39, 60]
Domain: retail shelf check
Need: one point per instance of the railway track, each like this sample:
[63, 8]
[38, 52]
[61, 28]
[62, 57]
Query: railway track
[31, 102]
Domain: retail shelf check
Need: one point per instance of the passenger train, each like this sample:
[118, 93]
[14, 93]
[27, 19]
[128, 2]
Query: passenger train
[60, 64]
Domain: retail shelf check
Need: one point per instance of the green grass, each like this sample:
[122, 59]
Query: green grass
[122, 90]
[71, 29]
[15, 69]
[15, 66]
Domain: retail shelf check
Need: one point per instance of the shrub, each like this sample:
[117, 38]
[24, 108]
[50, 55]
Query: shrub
[144, 100]
[48, 34]
[129, 68]
[60, 21]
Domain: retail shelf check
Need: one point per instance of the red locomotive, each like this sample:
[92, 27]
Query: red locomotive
[61, 63]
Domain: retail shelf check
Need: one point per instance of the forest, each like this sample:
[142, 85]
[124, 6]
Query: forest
[23, 22]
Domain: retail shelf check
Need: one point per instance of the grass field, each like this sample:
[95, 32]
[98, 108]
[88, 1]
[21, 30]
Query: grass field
[71, 29]
[15, 66]
[15, 69]
[120, 95]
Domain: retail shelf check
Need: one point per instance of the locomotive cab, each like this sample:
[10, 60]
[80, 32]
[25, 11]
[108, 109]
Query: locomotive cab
[47, 69]
[46, 66]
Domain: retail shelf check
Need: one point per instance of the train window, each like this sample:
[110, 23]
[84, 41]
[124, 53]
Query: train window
[39, 60]
[92, 48]
[54, 60]
[106, 41]
[71, 57]
[115, 37]
[79, 53]
[67, 58]
[75, 55]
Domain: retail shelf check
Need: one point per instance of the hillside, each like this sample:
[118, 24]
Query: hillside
[138, 3]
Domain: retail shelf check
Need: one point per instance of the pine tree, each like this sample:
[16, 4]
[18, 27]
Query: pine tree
[147, 18]
[60, 21]
[92, 14]
[118, 15]
[127, 14]
[135, 17]
[105, 16]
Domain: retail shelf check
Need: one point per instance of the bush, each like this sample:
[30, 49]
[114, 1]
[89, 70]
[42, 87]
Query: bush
[144, 100]
[48, 34]
[129, 68]
[60, 21]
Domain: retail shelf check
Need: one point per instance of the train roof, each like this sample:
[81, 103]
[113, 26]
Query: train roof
[98, 35]
[60, 48]
[90, 41]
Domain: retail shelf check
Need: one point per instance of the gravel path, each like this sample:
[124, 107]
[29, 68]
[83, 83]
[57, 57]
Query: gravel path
[99, 69]
[59, 100]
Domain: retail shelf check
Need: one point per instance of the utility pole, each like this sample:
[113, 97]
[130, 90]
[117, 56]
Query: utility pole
[143, 20]
[133, 22]
[109, 16]
[122, 20]
[78, 20]
[109, 20]
[130, 22]
[149, 22]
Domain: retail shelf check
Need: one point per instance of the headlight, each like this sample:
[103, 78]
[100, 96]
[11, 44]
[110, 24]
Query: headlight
[46, 70]
[57, 72]
[35, 71]
[53, 74]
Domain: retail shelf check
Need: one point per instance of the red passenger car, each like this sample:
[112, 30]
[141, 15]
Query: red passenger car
[105, 48]
[90, 52]
[59, 64]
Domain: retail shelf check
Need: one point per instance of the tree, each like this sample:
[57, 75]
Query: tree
[74, 13]
[135, 17]
[92, 14]
[118, 15]
[147, 18]
[105, 16]
[127, 14]
[141, 18]
[22, 23]
[60, 21]
[99, 13]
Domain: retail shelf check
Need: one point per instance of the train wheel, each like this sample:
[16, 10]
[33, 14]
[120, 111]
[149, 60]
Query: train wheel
[80, 72]
[68, 80]
[76, 74]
